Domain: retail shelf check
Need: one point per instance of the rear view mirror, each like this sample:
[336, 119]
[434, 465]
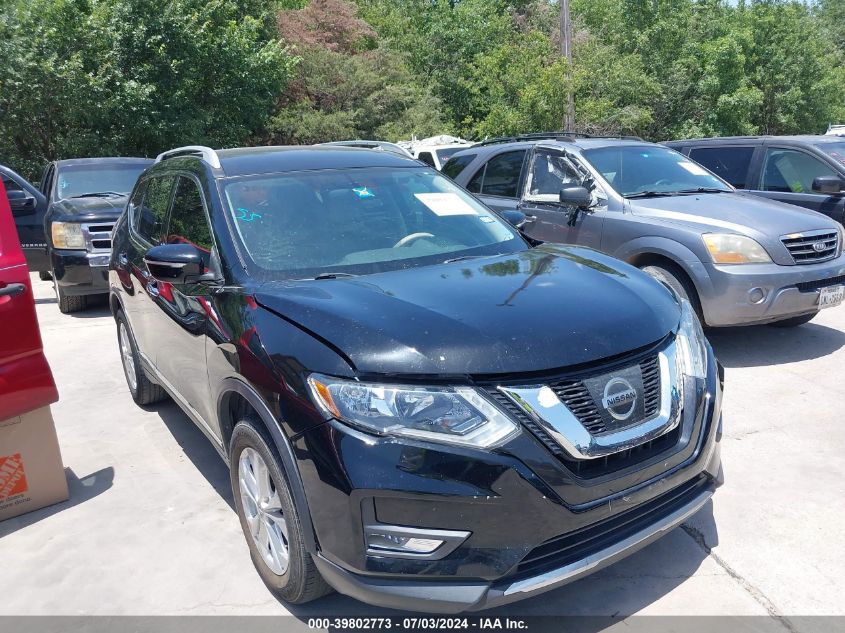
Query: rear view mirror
[578, 197]
[828, 184]
[21, 202]
[514, 218]
[175, 263]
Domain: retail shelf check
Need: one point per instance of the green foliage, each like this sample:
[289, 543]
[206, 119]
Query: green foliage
[96, 77]
[85, 78]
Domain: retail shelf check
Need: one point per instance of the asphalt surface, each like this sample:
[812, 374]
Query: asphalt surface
[150, 526]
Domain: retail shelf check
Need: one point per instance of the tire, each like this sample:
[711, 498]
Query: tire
[143, 390]
[44, 275]
[795, 321]
[272, 516]
[69, 304]
[677, 280]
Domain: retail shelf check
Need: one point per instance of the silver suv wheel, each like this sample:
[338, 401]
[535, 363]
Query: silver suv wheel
[263, 511]
[127, 357]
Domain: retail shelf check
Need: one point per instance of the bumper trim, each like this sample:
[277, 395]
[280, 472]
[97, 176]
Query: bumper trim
[444, 596]
[610, 554]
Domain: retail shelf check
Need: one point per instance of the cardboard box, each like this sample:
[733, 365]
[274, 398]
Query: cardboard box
[31, 472]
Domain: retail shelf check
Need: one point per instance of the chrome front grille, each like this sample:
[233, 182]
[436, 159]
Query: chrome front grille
[812, 246]
[97, 236]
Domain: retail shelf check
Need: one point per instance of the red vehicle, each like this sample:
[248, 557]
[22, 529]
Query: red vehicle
[26, 382]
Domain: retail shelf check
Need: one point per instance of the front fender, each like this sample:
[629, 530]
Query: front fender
[672, 250]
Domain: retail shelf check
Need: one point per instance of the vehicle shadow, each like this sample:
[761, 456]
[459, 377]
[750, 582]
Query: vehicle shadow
[97, 306]
[622, 589]
[757, 346]
[197, 448]
[80, 490]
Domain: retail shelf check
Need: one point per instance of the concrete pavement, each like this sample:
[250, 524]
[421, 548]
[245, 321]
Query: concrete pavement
[150, 527]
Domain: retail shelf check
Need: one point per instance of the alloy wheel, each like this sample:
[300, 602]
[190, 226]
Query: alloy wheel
[128, 357]
[263, 511]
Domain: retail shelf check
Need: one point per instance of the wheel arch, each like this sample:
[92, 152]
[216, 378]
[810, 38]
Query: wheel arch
[234, 396]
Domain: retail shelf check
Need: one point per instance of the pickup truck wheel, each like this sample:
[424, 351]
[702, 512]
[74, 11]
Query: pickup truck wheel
[143, 390]
[795, 321]
[70, 303]
[677, 281]
[44, 275]
[269, 518]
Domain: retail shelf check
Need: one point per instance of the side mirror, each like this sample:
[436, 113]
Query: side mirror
[578, 197]
[514, 218]
[21, 202]
[175, 263]
[828, 184]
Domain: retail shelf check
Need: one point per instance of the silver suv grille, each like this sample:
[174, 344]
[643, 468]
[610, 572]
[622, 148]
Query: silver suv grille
[812, 246]
[97, 236]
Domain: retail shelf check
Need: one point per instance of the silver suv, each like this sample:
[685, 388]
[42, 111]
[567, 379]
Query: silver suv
[739, 259]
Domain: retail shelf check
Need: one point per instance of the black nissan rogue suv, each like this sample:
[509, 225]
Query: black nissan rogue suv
[418, 408]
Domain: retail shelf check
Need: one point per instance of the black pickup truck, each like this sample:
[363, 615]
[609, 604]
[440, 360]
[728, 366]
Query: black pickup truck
[85, 197]
[29, 206]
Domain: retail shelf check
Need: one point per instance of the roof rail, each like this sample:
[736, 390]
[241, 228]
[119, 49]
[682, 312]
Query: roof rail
[563, 135]
[206, 153]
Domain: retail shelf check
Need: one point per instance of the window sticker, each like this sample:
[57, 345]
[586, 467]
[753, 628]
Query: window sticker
[363, 192]
[694, 169]
[444, 204]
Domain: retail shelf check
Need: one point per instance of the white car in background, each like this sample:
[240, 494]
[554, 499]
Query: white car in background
[435, 150]
[835, 130]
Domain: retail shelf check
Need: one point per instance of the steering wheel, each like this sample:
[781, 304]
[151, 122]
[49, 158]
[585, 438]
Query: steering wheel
[410, 239]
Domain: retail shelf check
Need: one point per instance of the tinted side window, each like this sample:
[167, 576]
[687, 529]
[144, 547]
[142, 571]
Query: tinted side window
[501, 176]
[474, 185]
[730, 163]
[11, 185]
[149, 217]
[427, 158]
[188, 222]
[456, 165]
[792, 171]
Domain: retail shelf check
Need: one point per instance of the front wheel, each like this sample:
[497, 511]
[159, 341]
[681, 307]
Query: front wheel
[143, 390]
[270, 520]
[795, 321]
[677, 281]
[69, 304]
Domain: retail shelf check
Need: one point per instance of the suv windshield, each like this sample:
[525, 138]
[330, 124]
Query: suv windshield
[360, 221]
[834, 150]
[97, 179]
[645, 170]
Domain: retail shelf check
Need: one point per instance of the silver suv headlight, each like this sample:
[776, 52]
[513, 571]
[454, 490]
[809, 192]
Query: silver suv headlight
[692, 351]
[452, 415]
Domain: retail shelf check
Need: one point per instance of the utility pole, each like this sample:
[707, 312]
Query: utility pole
[566, 52]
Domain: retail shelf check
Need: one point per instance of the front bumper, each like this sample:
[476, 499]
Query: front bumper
[80, 272]
[455, 597]
[727, 292]
[534, 524]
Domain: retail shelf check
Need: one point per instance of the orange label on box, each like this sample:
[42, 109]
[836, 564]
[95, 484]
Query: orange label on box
[12, 476]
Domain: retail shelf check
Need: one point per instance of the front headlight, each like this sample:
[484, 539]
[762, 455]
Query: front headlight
[67, 235]
[454, 415]
[692, 352]
[728, 248]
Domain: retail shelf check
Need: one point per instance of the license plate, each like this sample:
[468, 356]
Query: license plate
[831, 296]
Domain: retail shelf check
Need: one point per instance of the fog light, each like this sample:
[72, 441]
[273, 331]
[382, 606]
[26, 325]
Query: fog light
[756, 295]
[393, 543]
[406, 542]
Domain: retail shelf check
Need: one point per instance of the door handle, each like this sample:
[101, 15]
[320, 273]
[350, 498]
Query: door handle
[12, 290]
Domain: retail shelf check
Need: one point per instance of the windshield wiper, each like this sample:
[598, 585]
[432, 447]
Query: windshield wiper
[100, 194]
[703, 190]
[464, 257]
[333, 275]
[649, 194]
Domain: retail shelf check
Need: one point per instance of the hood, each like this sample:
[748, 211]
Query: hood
[87, 209]
[542, 309]
[750, 215]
